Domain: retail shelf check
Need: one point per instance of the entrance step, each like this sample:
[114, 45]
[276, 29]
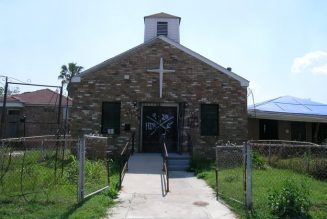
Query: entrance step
[179, 162]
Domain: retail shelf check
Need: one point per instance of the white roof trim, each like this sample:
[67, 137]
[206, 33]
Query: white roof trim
[287, 116]
[12, 104]
[243, 81]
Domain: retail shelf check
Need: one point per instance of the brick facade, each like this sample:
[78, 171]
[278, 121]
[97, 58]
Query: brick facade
[193, 82]
[40, 120]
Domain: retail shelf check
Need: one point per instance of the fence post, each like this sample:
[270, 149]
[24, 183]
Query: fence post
[81, 162]
[248, 176]
[216, 172]
[269, 158]
[308, 158]
[109, 152]
[42, 150]
[244, 171]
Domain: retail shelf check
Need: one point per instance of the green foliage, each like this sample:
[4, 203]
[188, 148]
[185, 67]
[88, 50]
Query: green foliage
[97, 206]
[10, 91]
[200, 165]
[232, 178]
[69, 71]
[291, 202]
[264, 182]
[258, 161]
[319, 169]
[72, 170]
[316, 167]
[50, 196]
[201, 175]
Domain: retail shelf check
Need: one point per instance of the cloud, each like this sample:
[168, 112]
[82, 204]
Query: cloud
[320, 70]
[313, 62]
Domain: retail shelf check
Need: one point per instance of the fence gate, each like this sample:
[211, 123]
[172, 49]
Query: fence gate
[93, 168]
[233, 174]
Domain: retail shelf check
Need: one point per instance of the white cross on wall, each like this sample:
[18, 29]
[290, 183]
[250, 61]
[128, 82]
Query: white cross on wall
[161, 70]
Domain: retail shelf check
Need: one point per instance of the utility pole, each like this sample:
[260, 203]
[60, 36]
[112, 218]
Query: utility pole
[4, 111]
[59, 108]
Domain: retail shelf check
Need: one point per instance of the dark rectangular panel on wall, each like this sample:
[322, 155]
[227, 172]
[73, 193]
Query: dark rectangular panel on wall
[110, 117]
[209, 119]
[298, 131]
[268, 129]
[319, 133]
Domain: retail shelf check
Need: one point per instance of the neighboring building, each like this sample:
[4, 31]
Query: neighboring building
[194, 101]
[288, 118]
[40, 109]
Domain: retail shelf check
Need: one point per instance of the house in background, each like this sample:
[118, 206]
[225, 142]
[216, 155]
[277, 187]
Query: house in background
[161, 87]
[288, 118]
[40, 109]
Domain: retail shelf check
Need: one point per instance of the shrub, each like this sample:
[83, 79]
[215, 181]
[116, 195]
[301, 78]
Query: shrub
[291, 202]
[232, 178]
[199, 165]
[258, 162]
[319, 169]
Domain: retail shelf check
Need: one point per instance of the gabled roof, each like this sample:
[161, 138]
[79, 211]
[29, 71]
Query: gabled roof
[44, 97]
[292, 108]
[162, 15]
[242, 80]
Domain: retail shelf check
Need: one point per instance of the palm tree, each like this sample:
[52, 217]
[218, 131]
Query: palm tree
[66, 74]
[69, 71]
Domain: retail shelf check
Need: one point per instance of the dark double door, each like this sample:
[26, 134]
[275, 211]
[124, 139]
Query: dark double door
[159, 121]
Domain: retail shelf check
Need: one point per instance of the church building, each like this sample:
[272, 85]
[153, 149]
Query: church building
[161, 88]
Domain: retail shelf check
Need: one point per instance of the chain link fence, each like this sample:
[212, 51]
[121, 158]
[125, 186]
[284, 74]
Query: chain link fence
[230, 172]
[94, 166]
[37, 168]
[302, 164]
[52, 168]
[300, 157]
[249, 174]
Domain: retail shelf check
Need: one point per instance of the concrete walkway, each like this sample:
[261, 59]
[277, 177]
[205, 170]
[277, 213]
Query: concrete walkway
[143, 196]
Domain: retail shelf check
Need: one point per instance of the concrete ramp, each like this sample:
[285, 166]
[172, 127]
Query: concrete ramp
[144, 174]
[143, 196]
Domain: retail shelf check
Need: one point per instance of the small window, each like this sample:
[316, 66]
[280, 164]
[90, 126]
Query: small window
[162, 29]
[110, 117]
[209, 119]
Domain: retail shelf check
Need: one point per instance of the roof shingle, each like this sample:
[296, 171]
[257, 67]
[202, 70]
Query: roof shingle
[39, 97]
[162, 15]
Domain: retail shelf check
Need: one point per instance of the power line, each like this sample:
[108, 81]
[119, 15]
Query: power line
[28, 80]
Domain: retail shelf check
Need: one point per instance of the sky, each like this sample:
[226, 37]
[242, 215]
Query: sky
[280, 46]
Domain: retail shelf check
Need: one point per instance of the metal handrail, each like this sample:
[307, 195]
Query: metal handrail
[165, 169]
[125, 148]
[123, 161]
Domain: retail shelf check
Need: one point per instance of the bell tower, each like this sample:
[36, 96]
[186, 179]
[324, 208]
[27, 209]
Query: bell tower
[161, 24]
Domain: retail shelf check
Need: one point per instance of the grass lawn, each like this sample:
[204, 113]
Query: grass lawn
[46, 196]
[264, 182]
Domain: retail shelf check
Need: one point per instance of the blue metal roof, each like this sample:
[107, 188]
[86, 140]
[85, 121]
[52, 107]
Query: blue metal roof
[291, 105]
